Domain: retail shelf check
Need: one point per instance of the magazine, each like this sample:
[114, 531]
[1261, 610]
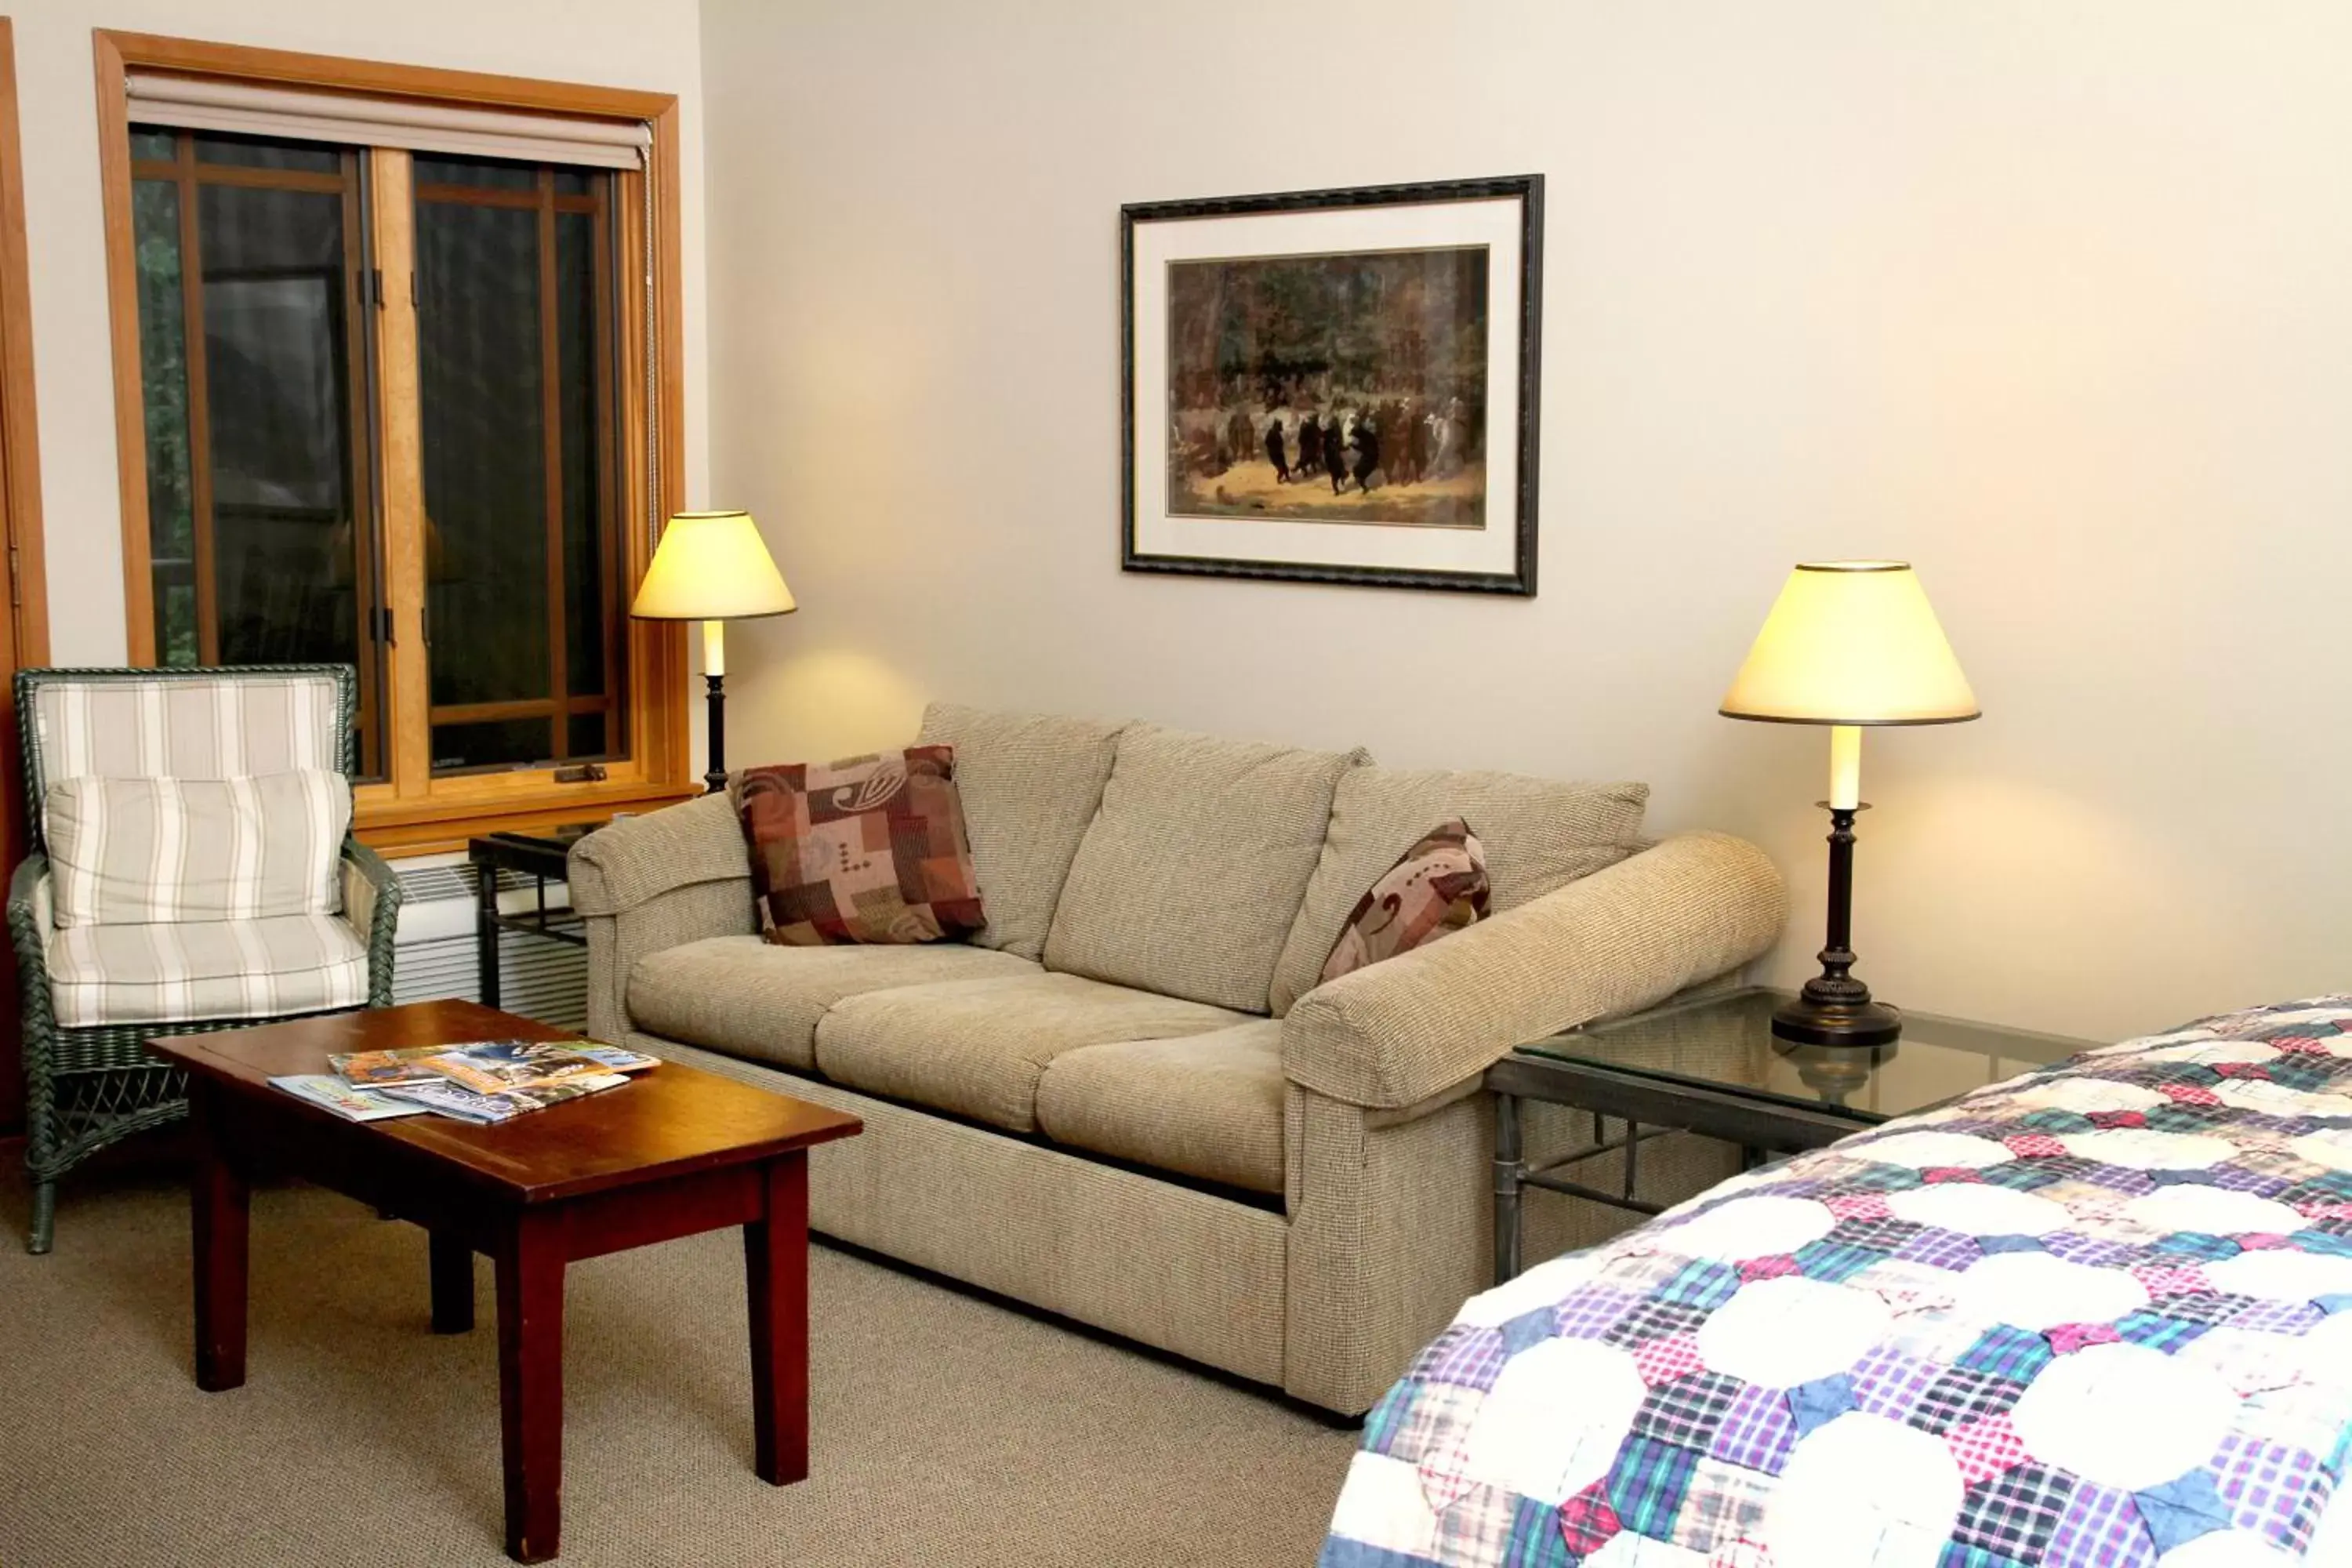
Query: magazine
[383, 1069]
[331, 1093]
[495, 1066]
[454, 1099]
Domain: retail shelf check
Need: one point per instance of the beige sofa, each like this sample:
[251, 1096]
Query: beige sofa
[1127, 1099]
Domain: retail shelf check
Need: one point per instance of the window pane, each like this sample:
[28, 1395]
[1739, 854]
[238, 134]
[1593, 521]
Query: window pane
[258, 152]
[482, 173]
[163, 375]
[588, 735]
[457, 747]
[513, 359]
[260, 524]
[277, 378]
[147, 141]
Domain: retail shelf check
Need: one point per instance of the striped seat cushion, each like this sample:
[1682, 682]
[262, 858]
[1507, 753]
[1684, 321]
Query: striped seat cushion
[140, 851]
[107, 974]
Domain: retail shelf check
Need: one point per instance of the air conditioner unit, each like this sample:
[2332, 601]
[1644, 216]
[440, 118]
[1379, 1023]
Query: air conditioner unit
[436, 954]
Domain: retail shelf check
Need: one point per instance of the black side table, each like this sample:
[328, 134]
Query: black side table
[1711, 1066]
[541, 856]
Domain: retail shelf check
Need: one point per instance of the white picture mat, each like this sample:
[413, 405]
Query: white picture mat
[1494, 223]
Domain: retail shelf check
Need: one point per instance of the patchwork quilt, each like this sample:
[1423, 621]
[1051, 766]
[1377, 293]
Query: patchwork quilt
[2099, 1316]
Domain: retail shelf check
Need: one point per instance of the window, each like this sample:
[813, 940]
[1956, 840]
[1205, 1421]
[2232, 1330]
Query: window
[388, 366]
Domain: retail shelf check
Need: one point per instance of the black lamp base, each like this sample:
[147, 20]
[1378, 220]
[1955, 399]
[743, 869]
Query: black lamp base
[1834, 1008]
[1838, 1022]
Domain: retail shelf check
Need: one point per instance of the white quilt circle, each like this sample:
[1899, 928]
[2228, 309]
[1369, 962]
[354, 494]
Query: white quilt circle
[2035, 1290]
[2330, 1146]
[2212, 1052]
[2144, 1149]
[1552, 1423]
[1863, 1491]
[2216, 1211]
[1748, 1227]
[1927, 1151]
[2087, 1094]
[1973, 1208]
[2281, 1274]
[1783, 1332]
[2267, 1098]
[2231, 1549]
[2124, 1415]
[1627, 1550]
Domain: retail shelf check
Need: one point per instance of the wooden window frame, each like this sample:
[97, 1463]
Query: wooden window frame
[416, 812]
[23, 616]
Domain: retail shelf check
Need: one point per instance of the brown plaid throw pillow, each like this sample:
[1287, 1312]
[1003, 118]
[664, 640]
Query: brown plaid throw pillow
[1439, 885]
[864, 849]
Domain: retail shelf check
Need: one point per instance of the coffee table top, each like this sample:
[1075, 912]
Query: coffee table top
[1723, 1044]
[667, 1120]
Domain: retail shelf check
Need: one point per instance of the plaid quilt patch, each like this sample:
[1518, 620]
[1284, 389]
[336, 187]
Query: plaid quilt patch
[2085, 1319]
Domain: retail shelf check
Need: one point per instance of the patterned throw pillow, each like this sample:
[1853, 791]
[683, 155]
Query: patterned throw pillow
[866, 850]
[1439, 885]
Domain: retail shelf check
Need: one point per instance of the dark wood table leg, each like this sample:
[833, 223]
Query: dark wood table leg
[775, 1259]
[530, 1383]
[220, 1206]
[453, 1284]
[486, 935]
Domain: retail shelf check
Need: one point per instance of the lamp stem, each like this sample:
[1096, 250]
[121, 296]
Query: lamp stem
[714, 678]
[1834, 1008]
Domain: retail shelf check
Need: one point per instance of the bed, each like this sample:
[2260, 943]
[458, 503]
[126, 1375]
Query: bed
[2098, 1316]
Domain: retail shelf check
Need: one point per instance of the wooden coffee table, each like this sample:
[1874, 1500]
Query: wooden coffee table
[675, 1153]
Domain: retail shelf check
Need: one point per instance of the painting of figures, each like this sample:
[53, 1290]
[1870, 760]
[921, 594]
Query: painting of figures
[1335, 386]
[1330, 388]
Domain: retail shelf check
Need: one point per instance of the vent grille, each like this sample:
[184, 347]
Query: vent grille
[436, 958]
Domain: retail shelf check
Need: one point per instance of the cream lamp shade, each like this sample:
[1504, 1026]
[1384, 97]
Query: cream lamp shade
[1850, 643]
[711, 566]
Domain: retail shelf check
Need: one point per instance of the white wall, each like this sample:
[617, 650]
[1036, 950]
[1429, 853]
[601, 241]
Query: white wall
[649, 44]
[2054, 300]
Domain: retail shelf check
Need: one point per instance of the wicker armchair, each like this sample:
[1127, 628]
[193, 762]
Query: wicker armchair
[93, 1083]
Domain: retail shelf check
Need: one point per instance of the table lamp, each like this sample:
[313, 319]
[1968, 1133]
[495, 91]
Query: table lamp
[1849, 644]
[712, 567]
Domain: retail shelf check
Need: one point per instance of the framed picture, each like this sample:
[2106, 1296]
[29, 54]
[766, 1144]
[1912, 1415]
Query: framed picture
[1335, 386]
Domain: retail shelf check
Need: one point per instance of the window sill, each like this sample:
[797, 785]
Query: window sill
[396, 828]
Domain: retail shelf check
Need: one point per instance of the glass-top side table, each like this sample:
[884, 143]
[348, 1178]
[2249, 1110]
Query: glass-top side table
[1711, 1066]
[543, 857]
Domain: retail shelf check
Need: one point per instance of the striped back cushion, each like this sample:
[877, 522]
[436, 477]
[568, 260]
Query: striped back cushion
[231, 728]
[155, 851]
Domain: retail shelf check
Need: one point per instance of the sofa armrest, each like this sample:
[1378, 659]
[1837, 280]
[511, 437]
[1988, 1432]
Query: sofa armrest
[1401, 1032]
[372, 899]
[638, 858]
[31, 913]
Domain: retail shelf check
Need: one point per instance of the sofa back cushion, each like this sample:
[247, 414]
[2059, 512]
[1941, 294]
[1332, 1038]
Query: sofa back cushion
[1190, 876]
[1539, 836]
[1031, 783]
[133, 851]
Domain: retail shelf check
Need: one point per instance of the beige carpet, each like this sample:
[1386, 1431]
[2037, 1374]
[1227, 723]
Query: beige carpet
[946, 1429]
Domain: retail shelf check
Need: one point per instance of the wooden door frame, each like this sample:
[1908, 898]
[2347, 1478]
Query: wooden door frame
[24, 640]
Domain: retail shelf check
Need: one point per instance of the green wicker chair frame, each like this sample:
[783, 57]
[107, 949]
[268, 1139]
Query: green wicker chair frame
[87, 1088]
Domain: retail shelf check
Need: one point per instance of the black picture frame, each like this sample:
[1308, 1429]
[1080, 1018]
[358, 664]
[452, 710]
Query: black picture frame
[1527, 191]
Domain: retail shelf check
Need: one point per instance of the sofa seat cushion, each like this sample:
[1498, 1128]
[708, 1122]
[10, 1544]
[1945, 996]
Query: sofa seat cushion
[749, 998]
[1204, 1105]
[192, 970]
[1190, 876]
[1030, 783]
[1539, 836]
[976, 1047]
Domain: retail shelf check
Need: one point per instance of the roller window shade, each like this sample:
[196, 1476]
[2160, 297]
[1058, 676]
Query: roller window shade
[291, 114]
